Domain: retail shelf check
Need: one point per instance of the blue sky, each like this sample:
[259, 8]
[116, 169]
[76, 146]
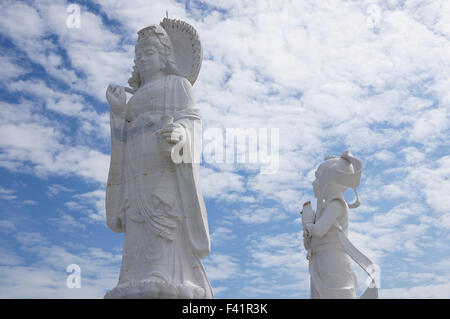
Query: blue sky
[368, 76]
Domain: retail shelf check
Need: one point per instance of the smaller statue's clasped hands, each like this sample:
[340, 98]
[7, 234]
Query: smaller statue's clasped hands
[308, 215]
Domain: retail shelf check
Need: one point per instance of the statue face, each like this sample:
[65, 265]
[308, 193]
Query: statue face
[315, 184]
[147, 59]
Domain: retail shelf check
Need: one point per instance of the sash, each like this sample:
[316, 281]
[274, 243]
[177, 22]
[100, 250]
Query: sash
[358, 257]
[362, 260]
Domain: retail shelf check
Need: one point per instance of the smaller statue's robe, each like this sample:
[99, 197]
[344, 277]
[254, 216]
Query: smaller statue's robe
[332, 276]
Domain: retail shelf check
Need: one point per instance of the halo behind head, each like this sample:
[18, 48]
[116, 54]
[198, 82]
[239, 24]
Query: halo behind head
[187, 47]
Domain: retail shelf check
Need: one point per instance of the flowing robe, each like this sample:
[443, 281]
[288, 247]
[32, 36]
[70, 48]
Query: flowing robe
[158, 203]
[332, 276]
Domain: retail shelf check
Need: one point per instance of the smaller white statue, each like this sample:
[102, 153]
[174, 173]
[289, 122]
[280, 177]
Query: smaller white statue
[325, 232]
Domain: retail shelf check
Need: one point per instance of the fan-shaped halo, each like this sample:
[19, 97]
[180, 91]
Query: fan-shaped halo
[186, 46]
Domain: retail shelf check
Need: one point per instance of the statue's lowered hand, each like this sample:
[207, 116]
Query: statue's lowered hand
[117, 98]
[173, 133]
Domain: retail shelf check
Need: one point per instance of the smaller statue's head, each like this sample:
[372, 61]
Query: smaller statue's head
[154, 53]
[338, 173]
[330, 164]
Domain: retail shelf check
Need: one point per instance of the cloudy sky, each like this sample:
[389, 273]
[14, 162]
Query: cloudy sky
[369, 76]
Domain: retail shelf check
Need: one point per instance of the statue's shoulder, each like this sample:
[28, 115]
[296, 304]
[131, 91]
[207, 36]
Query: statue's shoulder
[182, 94]
[337, 201]
[179, 81]
[338, 205]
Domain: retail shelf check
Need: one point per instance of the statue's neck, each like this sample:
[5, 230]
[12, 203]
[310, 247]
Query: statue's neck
[148, 79]
[330, 193]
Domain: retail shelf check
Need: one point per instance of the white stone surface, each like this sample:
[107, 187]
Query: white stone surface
[325, 232]
[151, 196]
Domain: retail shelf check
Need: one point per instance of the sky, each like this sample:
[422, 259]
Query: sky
[367, 76]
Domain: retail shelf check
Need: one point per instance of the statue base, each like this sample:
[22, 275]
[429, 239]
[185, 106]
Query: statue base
[155, 290]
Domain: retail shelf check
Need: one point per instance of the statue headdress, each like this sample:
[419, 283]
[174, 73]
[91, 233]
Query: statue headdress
[349, 177]
[183, 46]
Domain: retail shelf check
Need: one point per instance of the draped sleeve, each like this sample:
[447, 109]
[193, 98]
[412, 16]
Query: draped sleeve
[332, 211]
[187, 171]
[115, 188]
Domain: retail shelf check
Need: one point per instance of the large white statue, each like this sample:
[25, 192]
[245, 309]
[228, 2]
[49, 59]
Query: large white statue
[325, 232]
[152, 196]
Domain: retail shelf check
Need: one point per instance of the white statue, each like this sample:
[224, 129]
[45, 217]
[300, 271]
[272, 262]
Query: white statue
[151, 196]
[325, 233]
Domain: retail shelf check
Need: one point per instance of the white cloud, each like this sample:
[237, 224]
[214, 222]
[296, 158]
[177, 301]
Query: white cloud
[432, 175]
[91, 204]
[67, 223]
[30, 26]
[220, 235]
[413, 155]
[278, 264]
[66, 104]
[46, 276]
[9, 259]
[7, 226]
[256, 215]
[8, 194]
[32, 143]
[217, 184]
[220, 267]
[11, 196]
[55, 189]
[440, 291]
[10, 69]
[430, 125]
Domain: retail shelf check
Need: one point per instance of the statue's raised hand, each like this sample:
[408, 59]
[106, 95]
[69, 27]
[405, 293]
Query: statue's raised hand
[117, 98]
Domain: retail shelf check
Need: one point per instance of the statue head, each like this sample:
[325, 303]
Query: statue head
[340, 173]
[154, 53]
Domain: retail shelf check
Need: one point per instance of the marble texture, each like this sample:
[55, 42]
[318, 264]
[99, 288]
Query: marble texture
[153, 194]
